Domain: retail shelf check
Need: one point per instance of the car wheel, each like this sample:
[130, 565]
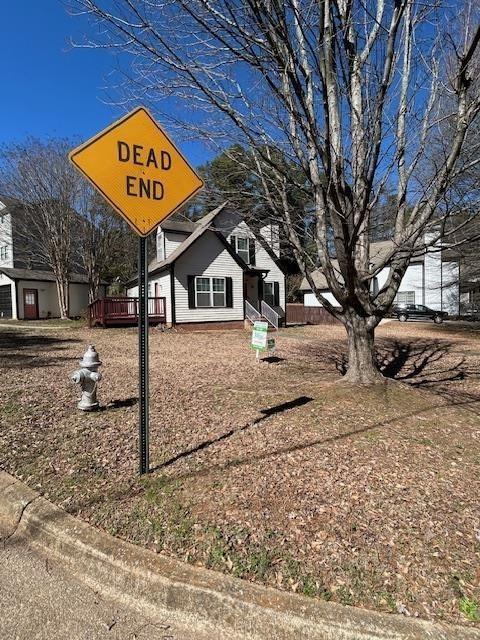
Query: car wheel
[402, 317]
[438, 319]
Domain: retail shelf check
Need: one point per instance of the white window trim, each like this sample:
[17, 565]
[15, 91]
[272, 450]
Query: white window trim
[243, 237]
[211, 292]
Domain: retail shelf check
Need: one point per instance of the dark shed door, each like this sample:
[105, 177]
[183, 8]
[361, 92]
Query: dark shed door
[5, 301]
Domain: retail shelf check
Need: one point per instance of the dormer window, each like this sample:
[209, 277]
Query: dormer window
[244, 247]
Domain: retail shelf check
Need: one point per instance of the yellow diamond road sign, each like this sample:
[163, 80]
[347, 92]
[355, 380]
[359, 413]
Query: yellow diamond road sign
[138, 169]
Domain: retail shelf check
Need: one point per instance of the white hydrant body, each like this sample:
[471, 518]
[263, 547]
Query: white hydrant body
[88, 377]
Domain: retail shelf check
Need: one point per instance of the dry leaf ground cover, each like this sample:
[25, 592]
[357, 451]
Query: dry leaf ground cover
[271, 472]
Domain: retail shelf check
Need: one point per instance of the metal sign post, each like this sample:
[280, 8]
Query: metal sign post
[143, 425]
[145, 178]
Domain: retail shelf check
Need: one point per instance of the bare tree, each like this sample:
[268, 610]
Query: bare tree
[106, 248]
[39, 175]
[353, 93]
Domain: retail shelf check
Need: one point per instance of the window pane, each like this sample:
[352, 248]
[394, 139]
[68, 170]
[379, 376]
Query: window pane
[242, 249]
[218, 284]
[203, 284]
[218, 299]
[203, 299]
[268, 292]
[244, 256]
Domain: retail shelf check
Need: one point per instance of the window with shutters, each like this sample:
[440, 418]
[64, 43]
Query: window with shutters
[210, 292]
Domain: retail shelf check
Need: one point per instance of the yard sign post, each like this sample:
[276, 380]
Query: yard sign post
[259, 337]
[145, 178]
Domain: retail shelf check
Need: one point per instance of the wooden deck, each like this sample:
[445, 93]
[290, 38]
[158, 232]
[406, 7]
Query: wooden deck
[124, 311]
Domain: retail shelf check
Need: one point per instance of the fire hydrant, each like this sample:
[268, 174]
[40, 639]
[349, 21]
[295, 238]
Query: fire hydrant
[88, 377]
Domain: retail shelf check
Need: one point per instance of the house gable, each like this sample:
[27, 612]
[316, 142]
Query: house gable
[209, 258]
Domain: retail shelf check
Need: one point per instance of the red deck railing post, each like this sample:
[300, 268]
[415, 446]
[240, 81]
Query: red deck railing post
[124, 311]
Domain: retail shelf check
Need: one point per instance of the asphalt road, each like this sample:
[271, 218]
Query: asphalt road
[41, 601]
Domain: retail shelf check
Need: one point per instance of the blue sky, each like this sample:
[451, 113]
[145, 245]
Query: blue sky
[47, 87]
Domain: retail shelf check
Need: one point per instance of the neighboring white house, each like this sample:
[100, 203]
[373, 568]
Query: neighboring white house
[31, 293]
[429, 280]
[216, 271]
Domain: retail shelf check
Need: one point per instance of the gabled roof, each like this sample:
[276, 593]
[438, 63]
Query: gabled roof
[46, 276]
[200, 227]
[179, 226]
[199, 230]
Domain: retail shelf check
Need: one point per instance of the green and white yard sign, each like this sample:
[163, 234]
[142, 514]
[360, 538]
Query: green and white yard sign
[259, 336]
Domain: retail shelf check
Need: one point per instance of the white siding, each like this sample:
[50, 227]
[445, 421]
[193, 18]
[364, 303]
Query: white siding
[47, 297]
[164, 291]
[78, 301]
[172, 240]
[132, 292]
[275, 274]
[411, 281]
[310, 299]
[6, 239]
[272, 235]
[207, 257]
[231, 224]
[451, 288]
[433, 279]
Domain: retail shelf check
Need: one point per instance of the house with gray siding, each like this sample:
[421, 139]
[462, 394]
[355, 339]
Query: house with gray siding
[217, 272]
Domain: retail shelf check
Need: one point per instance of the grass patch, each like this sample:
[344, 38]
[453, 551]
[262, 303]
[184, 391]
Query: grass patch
[470, 609]
[11, 407]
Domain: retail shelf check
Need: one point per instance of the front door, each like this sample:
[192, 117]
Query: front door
[30, 304]
[252, 290]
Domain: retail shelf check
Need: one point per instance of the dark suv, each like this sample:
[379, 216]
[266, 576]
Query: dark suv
[417, 312]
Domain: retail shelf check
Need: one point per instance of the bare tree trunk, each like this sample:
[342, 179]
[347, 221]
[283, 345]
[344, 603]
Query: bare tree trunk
[62, 291]
[94, 286]
[362, 367]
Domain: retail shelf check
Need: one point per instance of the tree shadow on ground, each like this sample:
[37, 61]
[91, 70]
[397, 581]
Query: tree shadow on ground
[270, 411]
[19, 349]
[420, 362]
[425, 364]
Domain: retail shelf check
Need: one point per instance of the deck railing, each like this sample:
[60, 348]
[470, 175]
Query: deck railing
[251, 313]
[123, 310]
[270, 314]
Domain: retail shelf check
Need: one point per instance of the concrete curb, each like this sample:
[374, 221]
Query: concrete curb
[234, 608]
